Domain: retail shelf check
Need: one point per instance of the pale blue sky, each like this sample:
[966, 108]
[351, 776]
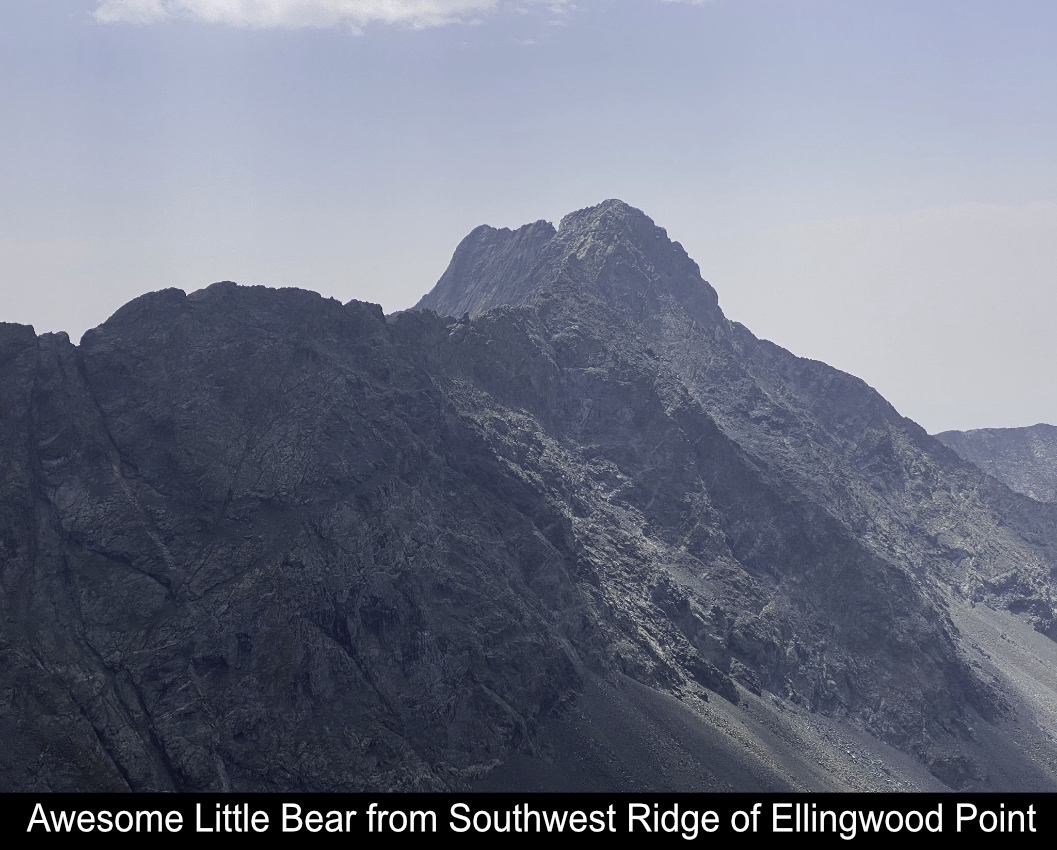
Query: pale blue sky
[873, 184]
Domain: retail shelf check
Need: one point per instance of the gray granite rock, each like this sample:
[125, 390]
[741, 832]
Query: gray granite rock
[591, 535]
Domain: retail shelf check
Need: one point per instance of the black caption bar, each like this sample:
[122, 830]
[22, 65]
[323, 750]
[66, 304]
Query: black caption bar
[583, 819]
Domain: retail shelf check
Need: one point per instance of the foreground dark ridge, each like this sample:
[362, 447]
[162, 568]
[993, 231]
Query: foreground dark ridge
[593, 535]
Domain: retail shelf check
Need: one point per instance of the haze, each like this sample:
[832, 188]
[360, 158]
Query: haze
[870, 184]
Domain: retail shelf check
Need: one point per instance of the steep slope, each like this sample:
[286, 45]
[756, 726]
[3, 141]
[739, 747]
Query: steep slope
[1024, 459]
[822, 435]
[822, 432]
[591, 535]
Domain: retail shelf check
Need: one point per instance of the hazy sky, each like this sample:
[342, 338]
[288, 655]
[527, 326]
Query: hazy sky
[873, 184]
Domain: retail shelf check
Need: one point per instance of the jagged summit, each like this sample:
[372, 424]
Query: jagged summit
[489, 268]
[611, 215]
[611, 252]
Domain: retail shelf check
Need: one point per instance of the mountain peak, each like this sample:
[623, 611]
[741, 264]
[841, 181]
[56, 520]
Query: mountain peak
[610, 215]
[490, 267]
[612, 252]
[498, 555]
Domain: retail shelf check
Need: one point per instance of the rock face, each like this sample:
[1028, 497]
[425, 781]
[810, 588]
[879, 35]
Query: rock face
[591, 535]
[1024, 459]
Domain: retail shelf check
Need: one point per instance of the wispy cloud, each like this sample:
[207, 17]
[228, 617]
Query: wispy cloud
[296, 14]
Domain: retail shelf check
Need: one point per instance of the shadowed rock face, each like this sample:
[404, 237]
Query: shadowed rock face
[592, 535]
[1024, 459]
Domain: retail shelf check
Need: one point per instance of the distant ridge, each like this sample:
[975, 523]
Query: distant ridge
[1025, 459]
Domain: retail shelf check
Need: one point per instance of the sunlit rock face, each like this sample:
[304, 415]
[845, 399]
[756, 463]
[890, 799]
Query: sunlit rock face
[564, 526]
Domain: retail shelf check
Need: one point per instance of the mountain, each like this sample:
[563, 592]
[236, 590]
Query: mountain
[563, 526]
[1024, 459]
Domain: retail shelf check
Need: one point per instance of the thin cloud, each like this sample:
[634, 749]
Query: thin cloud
[298, 14]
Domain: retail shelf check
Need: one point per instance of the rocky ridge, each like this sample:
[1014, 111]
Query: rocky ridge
[591, 535]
